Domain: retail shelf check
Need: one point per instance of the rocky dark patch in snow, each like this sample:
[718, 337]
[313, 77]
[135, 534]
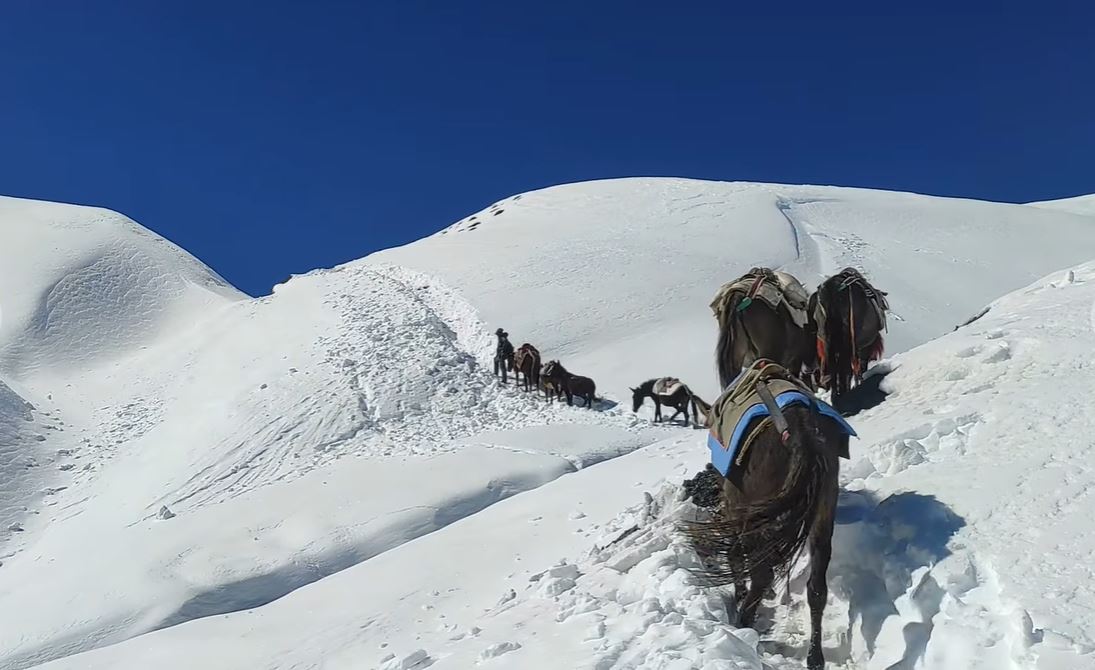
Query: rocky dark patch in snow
[705, 488]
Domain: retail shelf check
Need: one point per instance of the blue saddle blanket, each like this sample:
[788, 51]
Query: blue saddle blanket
[722, 456]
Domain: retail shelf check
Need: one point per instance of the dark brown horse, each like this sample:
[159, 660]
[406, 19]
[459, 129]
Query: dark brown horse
[571, 384]
[751, 328]
[669, 392]
[786, 502]
[526, 363]
[848, 316]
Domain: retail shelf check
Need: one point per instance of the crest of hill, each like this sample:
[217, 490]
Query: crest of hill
[1084, 204]
[80, 285]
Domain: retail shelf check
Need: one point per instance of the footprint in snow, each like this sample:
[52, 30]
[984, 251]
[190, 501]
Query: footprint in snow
[416, 659]
[1000, 354]
[957, 374]
[496, 650]
[969, 352]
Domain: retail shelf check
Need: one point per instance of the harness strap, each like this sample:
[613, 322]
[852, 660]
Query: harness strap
[851, 329]
[774, 411]
[751, 293]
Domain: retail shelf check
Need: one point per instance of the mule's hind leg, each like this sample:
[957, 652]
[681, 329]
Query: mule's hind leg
[760, 580]
[739, 597]
[817, 589]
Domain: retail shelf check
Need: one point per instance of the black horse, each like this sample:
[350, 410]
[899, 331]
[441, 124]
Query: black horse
[669, 392]
[552, 388]
[779, 500]
[848, 316]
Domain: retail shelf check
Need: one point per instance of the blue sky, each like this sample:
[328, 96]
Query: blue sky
[275, 137]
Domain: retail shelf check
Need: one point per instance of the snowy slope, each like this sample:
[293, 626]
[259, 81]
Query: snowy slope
[80, 288]
[944, 571]
[964, 541]
[615, 276]
[342, 441]
[233, 425]
[23, 480]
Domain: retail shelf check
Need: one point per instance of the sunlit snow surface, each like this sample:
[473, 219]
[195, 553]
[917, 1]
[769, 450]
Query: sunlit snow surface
[338, 457]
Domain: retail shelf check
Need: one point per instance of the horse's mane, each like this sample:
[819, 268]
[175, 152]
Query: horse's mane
[647, 386]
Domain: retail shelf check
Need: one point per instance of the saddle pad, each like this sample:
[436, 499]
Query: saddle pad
[785, 290]
[667, 386]
[724, 455]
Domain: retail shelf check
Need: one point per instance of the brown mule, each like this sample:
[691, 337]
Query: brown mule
[847, 318]
[762, 314]
[526, 363]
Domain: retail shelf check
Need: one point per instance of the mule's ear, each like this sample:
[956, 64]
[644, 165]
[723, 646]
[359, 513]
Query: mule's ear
[633, 389]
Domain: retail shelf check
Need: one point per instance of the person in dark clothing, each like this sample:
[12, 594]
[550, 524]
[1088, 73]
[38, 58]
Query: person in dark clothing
[503, 354]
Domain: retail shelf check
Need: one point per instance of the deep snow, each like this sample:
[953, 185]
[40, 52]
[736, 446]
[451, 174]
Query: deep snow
[338, 457]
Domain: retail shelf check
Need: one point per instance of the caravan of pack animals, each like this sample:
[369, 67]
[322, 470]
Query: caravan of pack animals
[775, 446]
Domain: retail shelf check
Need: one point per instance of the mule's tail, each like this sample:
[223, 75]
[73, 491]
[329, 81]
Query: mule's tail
[768, 533]
[724, 350]
[839, 338]
[877, 349]
[700, 407]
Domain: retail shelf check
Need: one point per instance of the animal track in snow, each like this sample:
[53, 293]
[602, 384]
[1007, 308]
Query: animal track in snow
[1001, 352]
[957, 373]
[915, 446]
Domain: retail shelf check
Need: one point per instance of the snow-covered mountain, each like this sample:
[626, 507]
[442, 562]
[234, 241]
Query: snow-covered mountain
[617, 275]
[333, 470]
